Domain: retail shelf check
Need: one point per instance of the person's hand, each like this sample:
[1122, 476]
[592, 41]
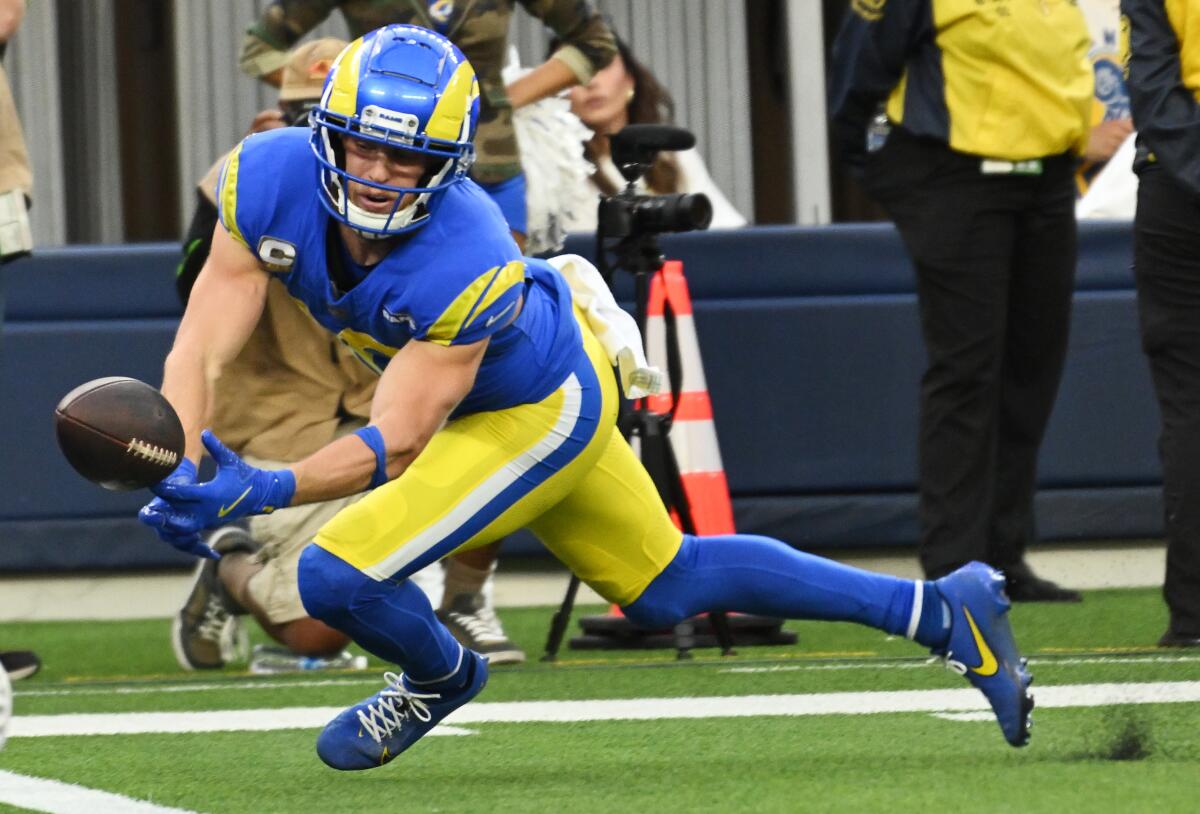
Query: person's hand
[174, 527]
[267, 120]
[237, 490]
[12, 12]
[1106, 138]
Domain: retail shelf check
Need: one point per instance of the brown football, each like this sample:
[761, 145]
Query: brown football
[119, 433]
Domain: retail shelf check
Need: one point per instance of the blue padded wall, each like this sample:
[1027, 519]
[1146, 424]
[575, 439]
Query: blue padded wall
[812, 354]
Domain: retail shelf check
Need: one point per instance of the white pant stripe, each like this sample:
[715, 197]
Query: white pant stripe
[471, 504]
[918, 602]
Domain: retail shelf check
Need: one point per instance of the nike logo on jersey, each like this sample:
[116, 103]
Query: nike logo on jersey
[224, 510]
[492, 319]
[400, 318]
[987, 660]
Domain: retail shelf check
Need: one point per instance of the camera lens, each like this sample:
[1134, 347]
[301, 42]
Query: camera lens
[672, 213]
[695, 210]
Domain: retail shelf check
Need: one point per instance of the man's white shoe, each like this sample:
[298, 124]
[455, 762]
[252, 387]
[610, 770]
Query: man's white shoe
[206, 633]
[477, 628]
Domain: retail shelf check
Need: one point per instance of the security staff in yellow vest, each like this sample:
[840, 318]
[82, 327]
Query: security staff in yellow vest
[1163, 75]
[965, 119]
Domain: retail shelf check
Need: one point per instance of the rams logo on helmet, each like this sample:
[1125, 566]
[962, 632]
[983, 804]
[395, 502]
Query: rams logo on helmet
[399, 86]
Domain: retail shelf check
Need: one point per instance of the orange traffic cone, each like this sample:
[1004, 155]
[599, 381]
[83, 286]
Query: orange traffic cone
[693, 440]
[693, 435]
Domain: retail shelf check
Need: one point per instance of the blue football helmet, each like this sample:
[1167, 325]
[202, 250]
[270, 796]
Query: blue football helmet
[399, 86]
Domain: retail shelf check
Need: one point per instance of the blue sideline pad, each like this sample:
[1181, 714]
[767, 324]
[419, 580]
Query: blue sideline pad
[812, 353]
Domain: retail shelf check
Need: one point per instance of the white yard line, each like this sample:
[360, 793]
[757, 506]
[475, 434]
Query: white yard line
[140, 723]
[965, 716]
[53, 797]
[640, 709]
[370, 678]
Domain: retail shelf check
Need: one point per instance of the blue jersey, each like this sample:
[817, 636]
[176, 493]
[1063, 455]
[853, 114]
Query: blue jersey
[456, 280]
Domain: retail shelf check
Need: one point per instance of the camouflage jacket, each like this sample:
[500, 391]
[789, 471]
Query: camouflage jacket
[478, 27]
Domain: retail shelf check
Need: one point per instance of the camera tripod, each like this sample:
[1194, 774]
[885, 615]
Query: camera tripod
[628, 227]
[640, 256]
[651, 428]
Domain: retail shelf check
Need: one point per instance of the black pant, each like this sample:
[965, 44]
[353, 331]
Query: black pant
[995, 262]
[1167, 268]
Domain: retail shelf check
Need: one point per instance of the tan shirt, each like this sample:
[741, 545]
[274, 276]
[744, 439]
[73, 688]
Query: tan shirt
[14, 157]
[284, 395]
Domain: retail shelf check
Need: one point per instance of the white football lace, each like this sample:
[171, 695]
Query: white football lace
[152, 453]
[483, 625]
[948, 661]
[396, 704]
[954, 665]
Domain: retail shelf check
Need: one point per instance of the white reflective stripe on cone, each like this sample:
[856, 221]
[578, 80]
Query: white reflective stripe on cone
[689, 349]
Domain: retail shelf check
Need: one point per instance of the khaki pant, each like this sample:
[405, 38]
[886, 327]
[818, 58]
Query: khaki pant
[283, 535]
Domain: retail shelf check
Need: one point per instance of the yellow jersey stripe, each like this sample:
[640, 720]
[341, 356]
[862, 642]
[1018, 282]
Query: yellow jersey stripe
[372, 353]
[228, 195]
[508, 276]
[895, 102]
[449, 118]
[452, 321]
[343, 96]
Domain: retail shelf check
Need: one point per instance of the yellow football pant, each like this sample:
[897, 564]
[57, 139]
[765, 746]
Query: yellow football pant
[558, 467]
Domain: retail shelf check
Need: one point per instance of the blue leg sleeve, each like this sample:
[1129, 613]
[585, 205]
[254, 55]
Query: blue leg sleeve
[741, 572]
[392, 620]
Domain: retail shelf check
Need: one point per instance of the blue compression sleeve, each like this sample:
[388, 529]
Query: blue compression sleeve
[393, 620]
[742, 572]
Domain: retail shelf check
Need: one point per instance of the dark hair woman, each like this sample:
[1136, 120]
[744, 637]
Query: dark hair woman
[626, 92]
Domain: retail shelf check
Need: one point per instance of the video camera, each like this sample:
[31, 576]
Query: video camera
[628, 214]
[628, 224]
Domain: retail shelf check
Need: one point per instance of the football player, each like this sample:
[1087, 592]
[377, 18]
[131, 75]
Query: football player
[291, 389]
[495, 410]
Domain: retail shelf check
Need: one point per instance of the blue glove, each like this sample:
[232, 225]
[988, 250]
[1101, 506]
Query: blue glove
[237, 490]
[170, 525]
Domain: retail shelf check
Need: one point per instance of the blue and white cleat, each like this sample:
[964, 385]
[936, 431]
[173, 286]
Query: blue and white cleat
[376, 730]
[982, 647]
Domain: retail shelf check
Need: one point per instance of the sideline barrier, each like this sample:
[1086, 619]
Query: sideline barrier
[812, 355]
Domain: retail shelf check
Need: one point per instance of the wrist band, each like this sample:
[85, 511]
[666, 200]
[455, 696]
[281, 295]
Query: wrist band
[283, 489]
[373, 438]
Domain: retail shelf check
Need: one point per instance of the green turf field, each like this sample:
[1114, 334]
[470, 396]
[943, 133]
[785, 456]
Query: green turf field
[719, 745]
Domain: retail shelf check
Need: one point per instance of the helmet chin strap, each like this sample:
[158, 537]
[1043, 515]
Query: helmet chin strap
[372, 224]
[365, 235]
[361, 217]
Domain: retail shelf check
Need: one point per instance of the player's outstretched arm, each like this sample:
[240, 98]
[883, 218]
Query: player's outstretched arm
[225, 305]
[417, 392]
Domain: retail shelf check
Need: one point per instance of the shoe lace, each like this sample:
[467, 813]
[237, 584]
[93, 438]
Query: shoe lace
[948, 661]
[953, 665]
[213, 622]
[482, 625]
[396, 704]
